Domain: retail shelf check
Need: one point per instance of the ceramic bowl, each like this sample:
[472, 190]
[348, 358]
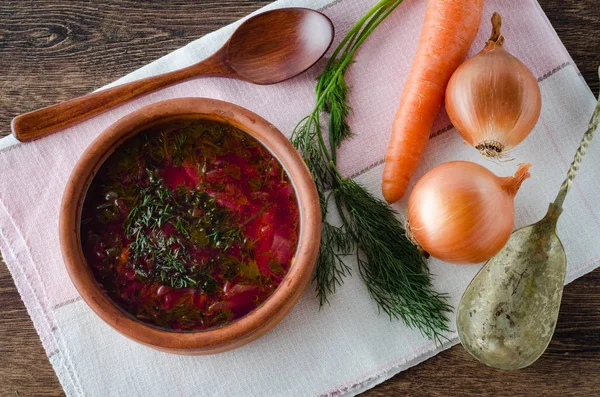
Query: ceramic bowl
[239, 332]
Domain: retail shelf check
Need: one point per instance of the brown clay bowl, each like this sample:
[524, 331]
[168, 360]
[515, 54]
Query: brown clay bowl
[243, 330]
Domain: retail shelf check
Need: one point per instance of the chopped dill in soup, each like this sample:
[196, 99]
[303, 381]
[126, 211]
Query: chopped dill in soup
[190, 225]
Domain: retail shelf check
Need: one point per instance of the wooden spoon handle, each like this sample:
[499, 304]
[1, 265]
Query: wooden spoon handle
[42, 122]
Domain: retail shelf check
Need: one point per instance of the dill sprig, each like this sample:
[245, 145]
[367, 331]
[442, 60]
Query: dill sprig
[393, 269]
[169, 255]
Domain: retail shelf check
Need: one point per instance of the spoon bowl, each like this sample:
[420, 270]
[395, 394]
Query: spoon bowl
[507, 316]
[267, 48]
[301, 39]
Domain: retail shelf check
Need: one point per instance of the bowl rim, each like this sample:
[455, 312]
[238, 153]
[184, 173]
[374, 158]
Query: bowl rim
[243, 330]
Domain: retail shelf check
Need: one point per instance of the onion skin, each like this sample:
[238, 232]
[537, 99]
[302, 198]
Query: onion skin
[493, 99]
[462, 213]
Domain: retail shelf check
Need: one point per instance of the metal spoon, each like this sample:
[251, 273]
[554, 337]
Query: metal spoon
[266, 49]
[508, 313]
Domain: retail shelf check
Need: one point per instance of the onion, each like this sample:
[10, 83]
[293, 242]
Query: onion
[492, 99]
[462, 213]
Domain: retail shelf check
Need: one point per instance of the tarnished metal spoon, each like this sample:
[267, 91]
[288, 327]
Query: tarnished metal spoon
[508, 313]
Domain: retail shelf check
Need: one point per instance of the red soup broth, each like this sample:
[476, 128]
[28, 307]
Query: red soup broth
[190, 225]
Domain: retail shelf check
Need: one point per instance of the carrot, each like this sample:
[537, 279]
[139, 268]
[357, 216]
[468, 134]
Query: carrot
[448, 31]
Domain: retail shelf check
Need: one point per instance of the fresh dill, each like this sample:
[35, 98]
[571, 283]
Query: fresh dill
[393, 269]
[156, 254]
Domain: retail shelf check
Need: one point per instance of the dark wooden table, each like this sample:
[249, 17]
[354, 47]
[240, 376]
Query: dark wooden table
[53, 50]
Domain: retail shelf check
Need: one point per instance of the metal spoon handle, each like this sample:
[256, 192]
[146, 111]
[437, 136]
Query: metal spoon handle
[585, 142]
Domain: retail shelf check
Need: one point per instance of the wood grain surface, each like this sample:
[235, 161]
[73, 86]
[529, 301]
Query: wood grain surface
[53, 50]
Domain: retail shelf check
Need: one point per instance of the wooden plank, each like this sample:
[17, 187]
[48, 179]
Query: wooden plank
[51, 51]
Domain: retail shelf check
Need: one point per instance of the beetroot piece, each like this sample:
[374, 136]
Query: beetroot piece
[282, 248]
[179, 176]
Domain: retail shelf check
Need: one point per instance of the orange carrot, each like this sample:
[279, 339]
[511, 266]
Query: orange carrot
[448, 31]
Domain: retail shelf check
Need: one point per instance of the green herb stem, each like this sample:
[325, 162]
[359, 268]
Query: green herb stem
[393, 269]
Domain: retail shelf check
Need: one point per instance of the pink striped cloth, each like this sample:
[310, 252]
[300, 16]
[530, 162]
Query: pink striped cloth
[346, 347]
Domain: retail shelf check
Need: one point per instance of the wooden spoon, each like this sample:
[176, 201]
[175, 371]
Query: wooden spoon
[266, 49]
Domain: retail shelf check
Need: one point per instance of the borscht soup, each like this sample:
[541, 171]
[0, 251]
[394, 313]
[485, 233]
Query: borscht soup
[190, 225]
